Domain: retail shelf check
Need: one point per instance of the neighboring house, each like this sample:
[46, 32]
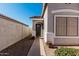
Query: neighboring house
[58, 24]
[11, 31]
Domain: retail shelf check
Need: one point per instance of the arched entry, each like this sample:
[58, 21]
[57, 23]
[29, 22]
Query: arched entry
[39, 27]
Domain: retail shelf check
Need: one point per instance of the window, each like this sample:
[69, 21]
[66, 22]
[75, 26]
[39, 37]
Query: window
[72, 26]
[61, 26]
[66, 26]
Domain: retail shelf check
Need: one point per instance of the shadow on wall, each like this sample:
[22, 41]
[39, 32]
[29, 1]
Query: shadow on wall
[21, 48]
[12, 32]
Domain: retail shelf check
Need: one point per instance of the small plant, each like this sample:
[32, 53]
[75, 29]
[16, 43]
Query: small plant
[67, 52]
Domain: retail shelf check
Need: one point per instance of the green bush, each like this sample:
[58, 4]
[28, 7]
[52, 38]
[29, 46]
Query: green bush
[67, 52]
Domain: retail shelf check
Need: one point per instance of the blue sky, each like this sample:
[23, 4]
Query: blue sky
[21, 11]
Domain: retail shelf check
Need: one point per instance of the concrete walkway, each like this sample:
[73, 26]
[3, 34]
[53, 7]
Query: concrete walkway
[37, 48]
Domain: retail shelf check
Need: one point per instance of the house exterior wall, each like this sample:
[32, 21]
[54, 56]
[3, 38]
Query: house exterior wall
[66, 41]
[45, 24]
[50, 23]
[58, 6]
[11, 32]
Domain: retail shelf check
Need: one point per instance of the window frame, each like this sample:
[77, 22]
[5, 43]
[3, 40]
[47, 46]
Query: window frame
[66, 35]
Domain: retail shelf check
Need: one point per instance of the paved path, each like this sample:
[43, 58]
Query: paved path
[35, 49]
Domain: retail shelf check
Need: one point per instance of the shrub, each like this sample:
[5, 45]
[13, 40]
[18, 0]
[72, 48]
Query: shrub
[67, 52]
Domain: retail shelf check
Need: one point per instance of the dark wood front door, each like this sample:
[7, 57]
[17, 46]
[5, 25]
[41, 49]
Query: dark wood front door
[38, 30]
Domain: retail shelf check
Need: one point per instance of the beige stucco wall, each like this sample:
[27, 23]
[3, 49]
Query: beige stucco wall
[50, 23]
[11, 32]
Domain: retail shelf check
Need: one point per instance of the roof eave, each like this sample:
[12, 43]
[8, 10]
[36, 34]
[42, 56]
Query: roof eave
[43, 11]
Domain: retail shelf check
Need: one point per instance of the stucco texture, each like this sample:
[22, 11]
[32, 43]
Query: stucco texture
[11, 32]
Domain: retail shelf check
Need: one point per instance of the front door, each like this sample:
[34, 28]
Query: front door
[38, 30]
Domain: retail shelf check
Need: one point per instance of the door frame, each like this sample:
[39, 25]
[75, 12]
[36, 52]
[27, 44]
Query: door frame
[36, 29]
